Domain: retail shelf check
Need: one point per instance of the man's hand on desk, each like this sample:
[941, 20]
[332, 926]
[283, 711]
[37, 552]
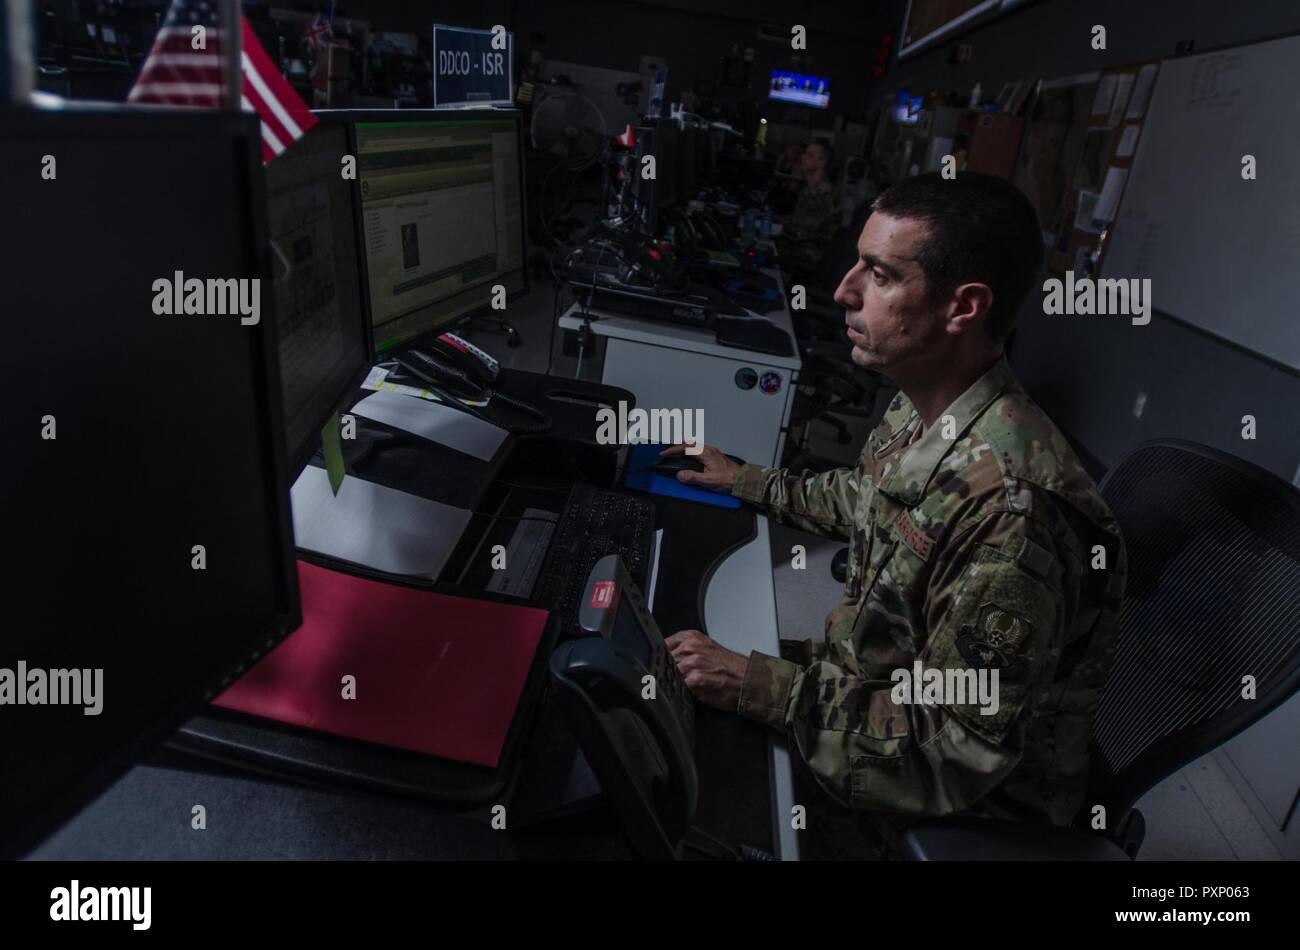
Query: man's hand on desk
[719, 471]
[711, 672]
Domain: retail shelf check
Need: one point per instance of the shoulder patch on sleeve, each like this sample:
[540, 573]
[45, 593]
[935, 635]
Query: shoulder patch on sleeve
[996, 639]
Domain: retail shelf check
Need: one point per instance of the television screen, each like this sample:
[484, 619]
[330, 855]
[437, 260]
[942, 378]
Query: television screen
[907, 107]
[804, 90]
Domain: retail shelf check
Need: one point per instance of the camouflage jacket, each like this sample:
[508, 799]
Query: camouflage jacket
[814, 219]
[977, 545]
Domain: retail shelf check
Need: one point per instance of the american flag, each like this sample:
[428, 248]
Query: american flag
[177, 74]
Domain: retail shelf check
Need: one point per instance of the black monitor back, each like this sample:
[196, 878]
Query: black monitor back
[325, 340]
[688, 183]
[660, 138]
[166, 436]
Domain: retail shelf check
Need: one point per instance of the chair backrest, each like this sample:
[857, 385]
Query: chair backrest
[1213, 597]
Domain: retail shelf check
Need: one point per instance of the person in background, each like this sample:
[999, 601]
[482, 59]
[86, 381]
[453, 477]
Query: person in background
[787, 184]
[816, 214]
[790, 161]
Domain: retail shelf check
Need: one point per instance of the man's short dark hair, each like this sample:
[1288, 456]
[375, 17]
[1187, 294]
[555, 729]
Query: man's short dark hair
[981, 229]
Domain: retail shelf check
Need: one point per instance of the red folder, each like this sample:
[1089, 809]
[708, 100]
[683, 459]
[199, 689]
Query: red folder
[435, 674]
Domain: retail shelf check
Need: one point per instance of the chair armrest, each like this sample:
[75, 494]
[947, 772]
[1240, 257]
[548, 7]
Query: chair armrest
[981, 839]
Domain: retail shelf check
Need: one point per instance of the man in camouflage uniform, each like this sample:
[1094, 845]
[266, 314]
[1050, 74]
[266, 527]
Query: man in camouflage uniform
[816, 214]
[977, 543]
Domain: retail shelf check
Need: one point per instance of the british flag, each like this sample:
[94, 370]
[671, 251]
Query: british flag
[319, 34]
[184, 69]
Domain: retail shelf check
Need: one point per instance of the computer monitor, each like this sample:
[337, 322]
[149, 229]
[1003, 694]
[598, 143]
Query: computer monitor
[660, 138]
[324, 330]
[146, 496]
[443, 222]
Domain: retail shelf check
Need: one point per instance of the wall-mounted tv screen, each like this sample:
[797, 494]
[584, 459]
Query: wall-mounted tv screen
[799, 88]
[907, 107]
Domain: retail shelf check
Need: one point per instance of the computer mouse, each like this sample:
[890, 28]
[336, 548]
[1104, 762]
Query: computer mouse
[670, 466]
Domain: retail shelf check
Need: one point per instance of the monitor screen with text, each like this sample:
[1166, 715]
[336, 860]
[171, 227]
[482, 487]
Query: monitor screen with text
[442, 217]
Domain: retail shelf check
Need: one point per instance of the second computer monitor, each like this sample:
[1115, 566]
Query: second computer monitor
[442, 216]
[320, 308]
[659, 137]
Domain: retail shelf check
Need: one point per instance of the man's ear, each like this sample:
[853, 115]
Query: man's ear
[969, 307]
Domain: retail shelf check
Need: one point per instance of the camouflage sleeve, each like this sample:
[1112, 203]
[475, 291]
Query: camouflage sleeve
[819, 502]
[994, 618]
[827, 222]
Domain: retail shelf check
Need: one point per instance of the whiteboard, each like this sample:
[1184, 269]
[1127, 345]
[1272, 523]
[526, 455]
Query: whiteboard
[1223, 254]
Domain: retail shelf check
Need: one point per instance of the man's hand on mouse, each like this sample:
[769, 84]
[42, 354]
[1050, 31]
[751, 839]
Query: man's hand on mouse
[719, 471]
[711, 672]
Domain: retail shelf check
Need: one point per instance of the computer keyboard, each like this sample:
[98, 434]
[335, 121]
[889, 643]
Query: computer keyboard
[594, 523]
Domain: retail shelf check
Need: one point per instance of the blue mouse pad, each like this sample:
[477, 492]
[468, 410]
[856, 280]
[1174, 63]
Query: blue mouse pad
[640, 478]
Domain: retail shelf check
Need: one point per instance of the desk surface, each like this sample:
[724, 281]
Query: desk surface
[612, 324]
[147, 813]
[740, 613]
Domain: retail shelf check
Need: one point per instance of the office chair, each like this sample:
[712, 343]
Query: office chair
[835, 390]
[1213, 574]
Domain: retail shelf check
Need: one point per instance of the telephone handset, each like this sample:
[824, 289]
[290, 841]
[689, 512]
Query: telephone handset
[620, 693]
[455, 368]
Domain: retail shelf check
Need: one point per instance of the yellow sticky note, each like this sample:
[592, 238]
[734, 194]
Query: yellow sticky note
[331, 442]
